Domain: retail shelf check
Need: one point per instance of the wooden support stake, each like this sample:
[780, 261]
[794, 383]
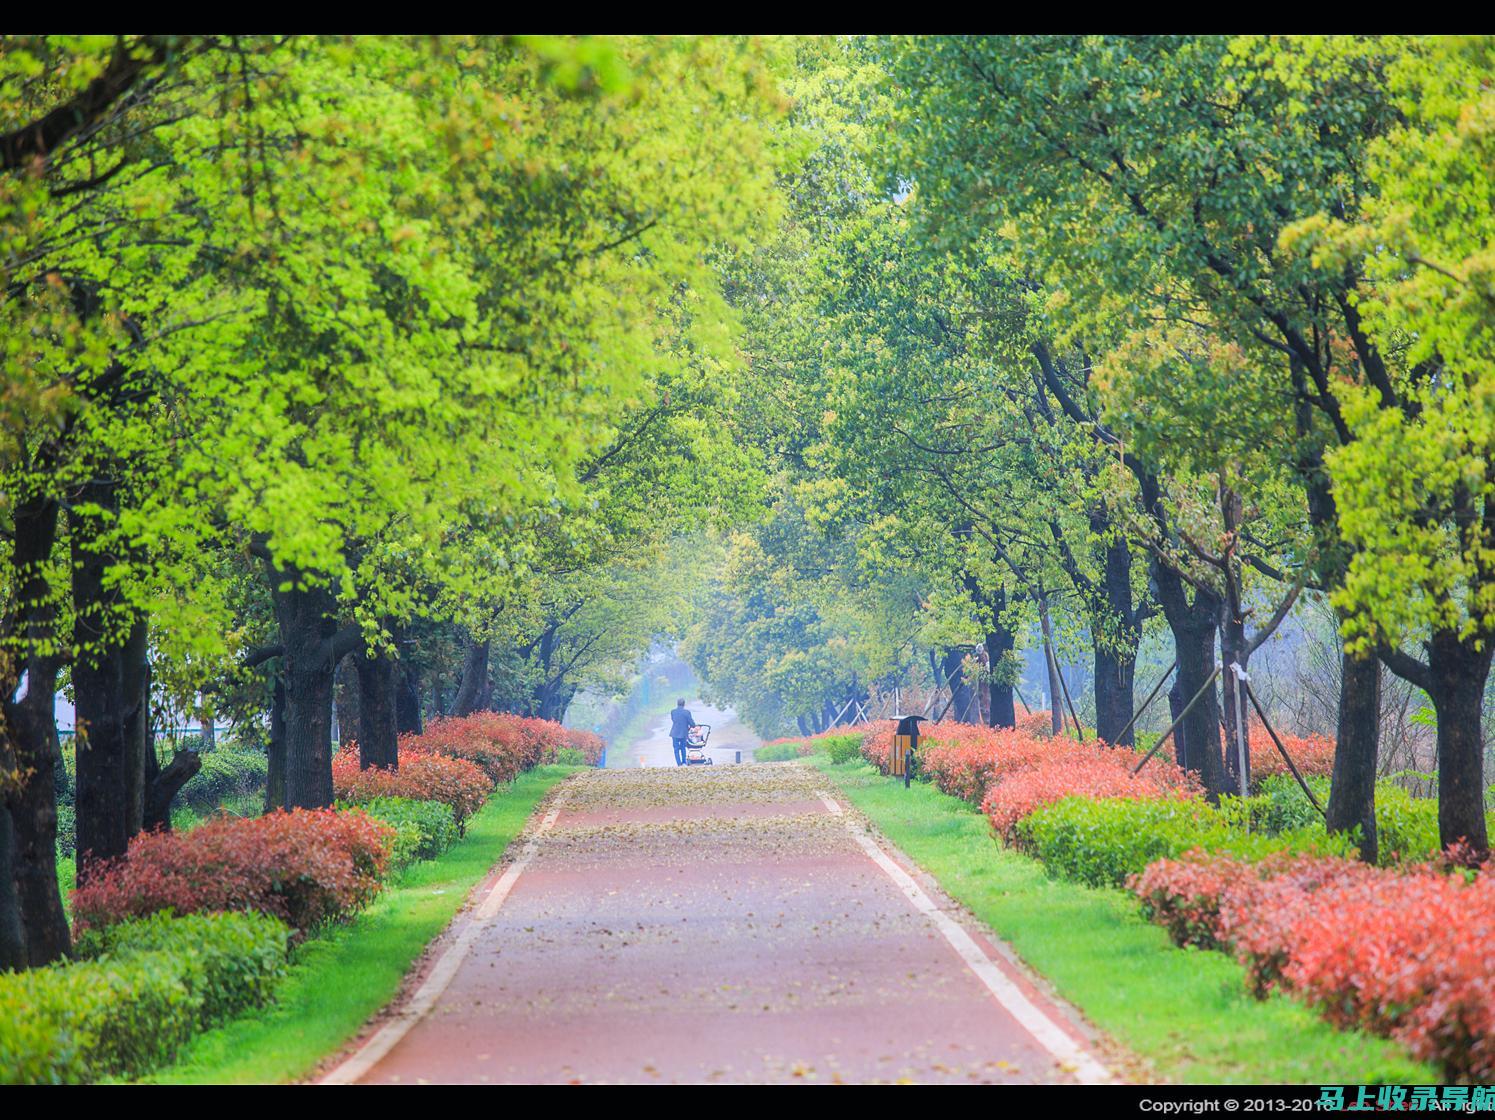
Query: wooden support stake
[1291, 765]
[1153, 695]
[1064, 687]
[1189, 707]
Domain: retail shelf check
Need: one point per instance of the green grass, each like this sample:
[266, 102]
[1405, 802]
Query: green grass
[339, 980]
[1186, 1011]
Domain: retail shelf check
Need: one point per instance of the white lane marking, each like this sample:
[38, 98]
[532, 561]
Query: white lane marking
[425, 997]
[1069, 1053]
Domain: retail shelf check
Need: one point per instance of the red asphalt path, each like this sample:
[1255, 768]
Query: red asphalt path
[721, 924]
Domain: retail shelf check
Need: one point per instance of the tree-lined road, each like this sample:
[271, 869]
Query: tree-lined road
[722, 924]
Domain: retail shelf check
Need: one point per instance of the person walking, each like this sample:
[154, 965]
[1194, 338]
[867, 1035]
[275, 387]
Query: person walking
[681, 721]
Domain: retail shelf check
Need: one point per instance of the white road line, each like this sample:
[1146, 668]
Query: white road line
[1069, 1053]
[425, 997]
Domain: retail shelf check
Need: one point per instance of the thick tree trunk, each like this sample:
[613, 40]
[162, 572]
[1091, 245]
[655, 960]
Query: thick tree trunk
[1352, 789]
[30, 745]
[101, 798]
[110, 684]
[1194, 625]
[1000, 642]
[1114, 679]
[962, 699]
[34, 814]
[474, 687]
[1458, 673]
[308, 633]
[12, 933]
[1116, 649]
[378, 730]
[408, 719]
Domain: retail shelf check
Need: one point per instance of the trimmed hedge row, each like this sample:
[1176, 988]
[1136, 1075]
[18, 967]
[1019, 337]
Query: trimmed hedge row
[305, 867]
[423, 829]
[225, 773]
[145, 988]
[1103, 842]
[1402, 953]
[423, 776]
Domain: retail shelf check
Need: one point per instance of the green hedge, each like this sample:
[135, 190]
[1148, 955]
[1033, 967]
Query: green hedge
[844, 748]
[225, 773]
[1406, 826]
[776, 752]
[1101, 842]
[424, 829]
[143, 989]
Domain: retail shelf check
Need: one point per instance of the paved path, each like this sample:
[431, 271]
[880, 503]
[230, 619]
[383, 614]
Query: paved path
[716, 924]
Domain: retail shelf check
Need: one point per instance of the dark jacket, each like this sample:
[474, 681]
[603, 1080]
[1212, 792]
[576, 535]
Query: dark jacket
[681, 721]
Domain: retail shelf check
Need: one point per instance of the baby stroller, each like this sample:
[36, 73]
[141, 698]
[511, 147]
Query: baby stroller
[695, 745]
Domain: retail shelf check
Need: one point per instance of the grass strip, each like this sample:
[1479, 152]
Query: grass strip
[338, 981]
[1186, 1011]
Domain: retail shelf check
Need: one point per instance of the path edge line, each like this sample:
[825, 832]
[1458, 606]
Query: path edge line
[1014, 1000]
[386, 1038]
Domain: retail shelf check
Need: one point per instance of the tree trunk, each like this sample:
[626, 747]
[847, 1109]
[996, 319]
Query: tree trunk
[308, 634]
[1352, 789]
[110, 767]
[1175, 709]
[12, 933]
[1051, 663]
[110, 683]
[408, 719]
[345, 706]
[1233, 651]
[378, 730]
[474, 684]
[1193, 625]
[275, 749]
[1115, 675]
[165, 784]
[1000, 642]
[1115, 638]
[961, 696]
[1458, 673]
[30, 746]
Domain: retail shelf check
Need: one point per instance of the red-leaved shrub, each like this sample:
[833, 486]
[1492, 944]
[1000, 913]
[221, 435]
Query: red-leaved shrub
[422, 776]
[1185, 895]
[1313, 754]
[588, 743]
[304, 867]
[966, 760]
[1038, 725]
[503, 744]
[1080, 771]
[1403, 953]
[1406, 955]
